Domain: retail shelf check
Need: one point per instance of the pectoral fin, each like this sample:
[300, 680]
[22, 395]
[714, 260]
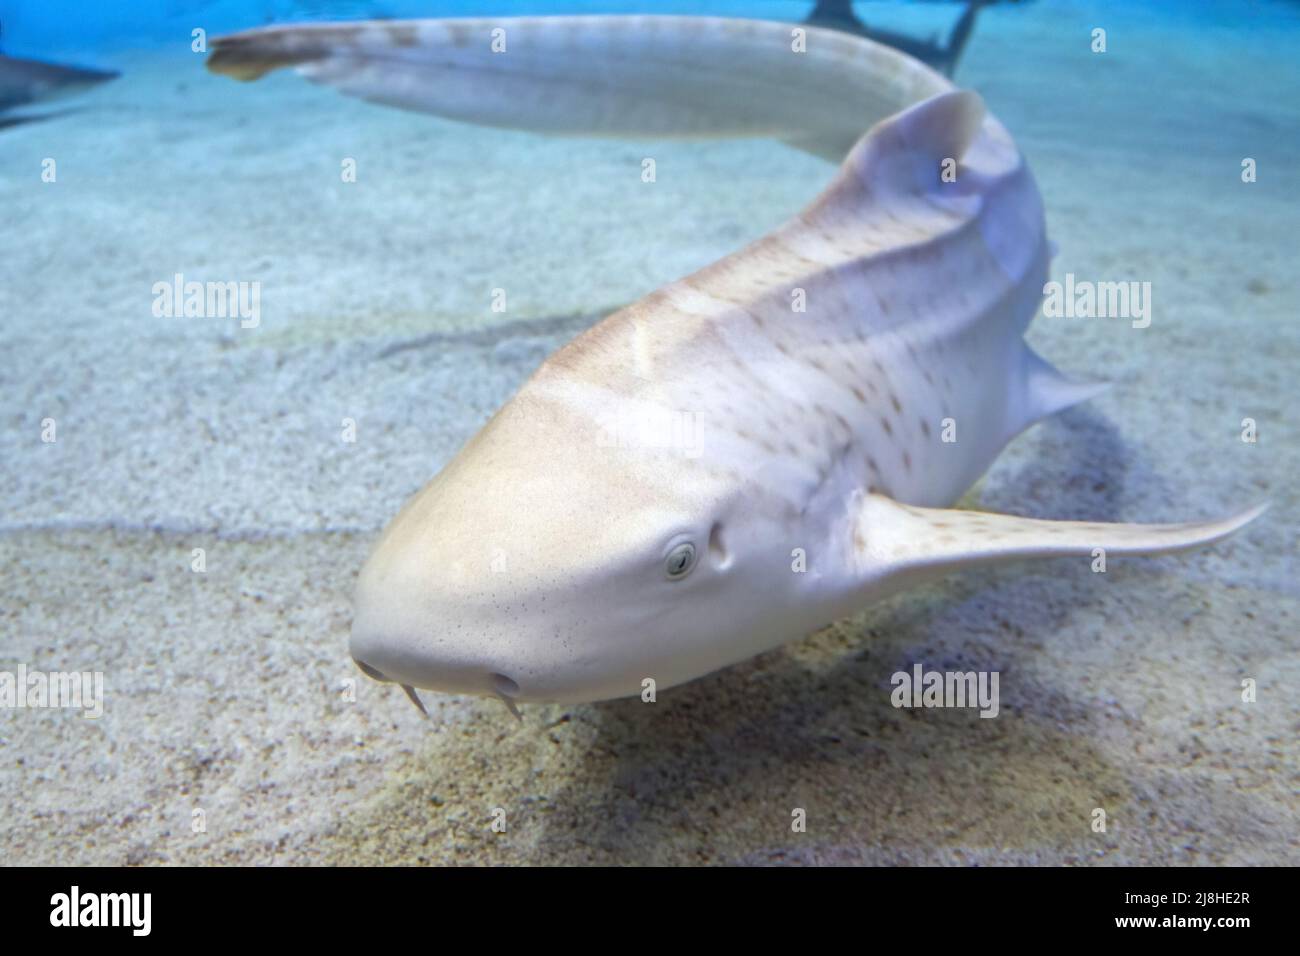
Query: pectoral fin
[903, 543]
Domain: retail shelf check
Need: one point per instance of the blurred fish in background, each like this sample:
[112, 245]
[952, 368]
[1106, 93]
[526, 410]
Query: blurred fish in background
[25, 82]
[839, 15]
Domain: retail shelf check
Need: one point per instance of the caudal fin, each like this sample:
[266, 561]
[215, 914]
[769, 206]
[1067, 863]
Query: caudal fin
[636, 76]
[961, 32]
[903, 542]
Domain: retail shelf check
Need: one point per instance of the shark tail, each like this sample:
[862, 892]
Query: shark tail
[961, 32]
[839, 15]
[632, 76]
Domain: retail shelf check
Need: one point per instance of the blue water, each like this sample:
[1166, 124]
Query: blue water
[98, 27]
[31, 26]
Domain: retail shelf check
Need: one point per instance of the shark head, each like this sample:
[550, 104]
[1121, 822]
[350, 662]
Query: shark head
[551, 562]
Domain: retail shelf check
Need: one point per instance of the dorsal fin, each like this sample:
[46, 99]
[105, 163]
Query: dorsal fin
[908, 149]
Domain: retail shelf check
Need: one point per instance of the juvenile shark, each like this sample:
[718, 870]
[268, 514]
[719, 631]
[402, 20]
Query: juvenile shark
[756, 449]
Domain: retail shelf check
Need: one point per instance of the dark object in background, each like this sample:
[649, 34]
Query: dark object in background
[23, 82]
[33, 81]
[839, 15]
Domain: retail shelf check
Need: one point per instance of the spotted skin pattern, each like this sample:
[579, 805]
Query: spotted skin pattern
[795, 417]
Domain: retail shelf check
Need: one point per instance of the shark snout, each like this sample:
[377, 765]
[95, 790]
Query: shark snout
[478, 680]
[392, 660]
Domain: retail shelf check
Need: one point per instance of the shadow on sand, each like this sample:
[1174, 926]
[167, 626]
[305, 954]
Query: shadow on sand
[713, 770]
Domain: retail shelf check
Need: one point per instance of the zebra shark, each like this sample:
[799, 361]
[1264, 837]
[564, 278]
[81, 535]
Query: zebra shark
[754, 450]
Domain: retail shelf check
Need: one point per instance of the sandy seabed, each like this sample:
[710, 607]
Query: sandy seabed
[225, 690]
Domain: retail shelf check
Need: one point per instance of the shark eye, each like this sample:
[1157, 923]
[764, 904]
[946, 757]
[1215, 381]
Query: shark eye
[680, 560]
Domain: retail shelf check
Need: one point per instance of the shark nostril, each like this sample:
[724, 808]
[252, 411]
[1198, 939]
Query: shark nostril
[370, 671]
[504, 686]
